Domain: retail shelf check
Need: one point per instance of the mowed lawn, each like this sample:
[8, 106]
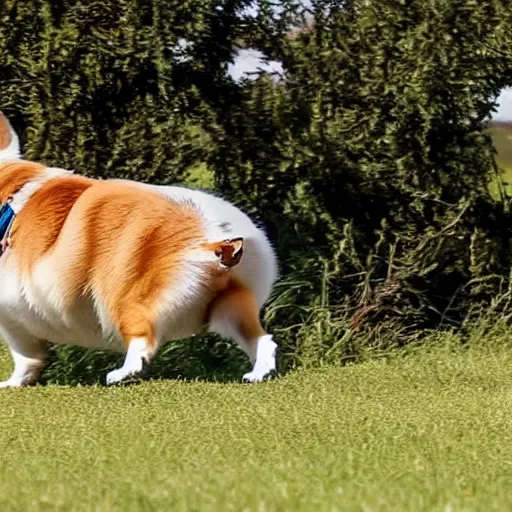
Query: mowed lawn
[431, 430]
[501, 134]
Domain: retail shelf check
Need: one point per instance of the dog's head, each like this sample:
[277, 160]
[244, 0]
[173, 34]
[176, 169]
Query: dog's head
[9, 142]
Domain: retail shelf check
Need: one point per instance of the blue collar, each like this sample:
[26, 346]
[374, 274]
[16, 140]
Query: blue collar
[7, 216]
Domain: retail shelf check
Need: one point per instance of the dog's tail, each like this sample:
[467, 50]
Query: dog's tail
[9, 142]
[228, 252]
[225, 254]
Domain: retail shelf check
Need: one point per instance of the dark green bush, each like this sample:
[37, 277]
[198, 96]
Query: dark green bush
[115, 87]
[372, 160]
[368, 159]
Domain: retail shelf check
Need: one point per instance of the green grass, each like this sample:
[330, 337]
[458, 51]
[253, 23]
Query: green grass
[430, 430]
[501, 134]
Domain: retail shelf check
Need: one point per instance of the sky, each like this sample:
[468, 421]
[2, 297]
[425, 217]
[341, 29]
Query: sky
[248, 61]
[504, 112]
[251, 60]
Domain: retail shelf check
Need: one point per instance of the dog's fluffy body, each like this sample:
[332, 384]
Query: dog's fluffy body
[125, 266]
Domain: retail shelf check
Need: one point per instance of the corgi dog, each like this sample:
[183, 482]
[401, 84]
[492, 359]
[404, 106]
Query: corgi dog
[123, 266]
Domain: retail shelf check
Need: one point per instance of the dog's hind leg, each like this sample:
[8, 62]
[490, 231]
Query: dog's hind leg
[234, 314]
[139, 354]
[29, 356]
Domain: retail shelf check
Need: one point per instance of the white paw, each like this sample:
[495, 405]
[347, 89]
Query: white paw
[11, 383]
[135, 362]
[119, 375]
[259, 375]
[265, 365]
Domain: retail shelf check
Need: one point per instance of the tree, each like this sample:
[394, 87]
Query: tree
[116, 88]
[372, 159]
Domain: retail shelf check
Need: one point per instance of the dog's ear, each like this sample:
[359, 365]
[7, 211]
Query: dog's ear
[230, 252]
[5, 132]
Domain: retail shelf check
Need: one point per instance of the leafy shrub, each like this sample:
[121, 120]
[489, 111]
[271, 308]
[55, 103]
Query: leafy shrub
[371, 159]
[368, 159]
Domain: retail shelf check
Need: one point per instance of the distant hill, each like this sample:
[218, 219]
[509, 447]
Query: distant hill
[501, 133]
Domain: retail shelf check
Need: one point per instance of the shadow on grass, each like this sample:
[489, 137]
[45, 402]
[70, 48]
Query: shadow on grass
[202, 358]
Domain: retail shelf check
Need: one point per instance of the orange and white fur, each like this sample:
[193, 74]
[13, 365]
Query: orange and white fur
[125, 266]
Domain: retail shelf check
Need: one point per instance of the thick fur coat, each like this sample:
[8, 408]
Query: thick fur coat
[125, 266]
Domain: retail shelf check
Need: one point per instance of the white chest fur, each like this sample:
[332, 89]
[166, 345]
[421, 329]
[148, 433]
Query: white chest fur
[34, 305]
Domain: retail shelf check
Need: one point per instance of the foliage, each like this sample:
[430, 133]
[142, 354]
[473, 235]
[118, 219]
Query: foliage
[371, 158]
[115, 87]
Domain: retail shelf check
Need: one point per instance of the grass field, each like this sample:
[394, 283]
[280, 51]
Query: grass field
[430, 430]
[501, 134]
